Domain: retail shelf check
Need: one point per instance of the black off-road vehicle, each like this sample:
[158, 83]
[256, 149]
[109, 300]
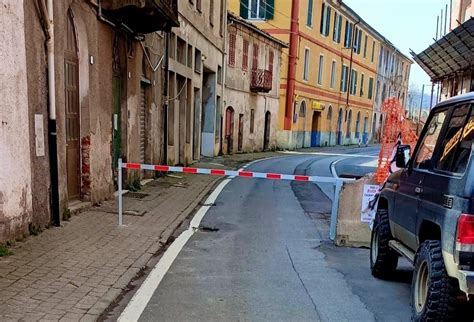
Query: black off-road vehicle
[426, 214]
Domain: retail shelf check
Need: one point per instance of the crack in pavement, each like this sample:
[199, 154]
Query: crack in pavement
[302, 283]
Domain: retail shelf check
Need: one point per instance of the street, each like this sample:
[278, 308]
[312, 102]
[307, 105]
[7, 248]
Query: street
[262, 253]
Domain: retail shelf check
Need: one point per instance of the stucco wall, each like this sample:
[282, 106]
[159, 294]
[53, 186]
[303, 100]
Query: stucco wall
[15, 167]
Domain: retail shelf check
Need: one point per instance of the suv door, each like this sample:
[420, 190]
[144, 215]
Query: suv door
[444, 185]
[410, 191]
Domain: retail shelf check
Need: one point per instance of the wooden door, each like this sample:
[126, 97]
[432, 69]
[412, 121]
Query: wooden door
[266, 131]
[241, 132]
[229, 128]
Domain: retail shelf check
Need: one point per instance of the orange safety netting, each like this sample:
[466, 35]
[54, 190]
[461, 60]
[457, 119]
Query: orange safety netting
[398, 130]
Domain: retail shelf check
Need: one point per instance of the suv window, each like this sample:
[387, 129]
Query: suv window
[427, 146]
[458, 141]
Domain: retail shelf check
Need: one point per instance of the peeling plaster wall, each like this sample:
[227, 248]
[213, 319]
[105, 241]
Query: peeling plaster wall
[15, 166]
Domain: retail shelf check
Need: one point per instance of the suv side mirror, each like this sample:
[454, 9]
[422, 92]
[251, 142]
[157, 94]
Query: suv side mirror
[403, 156]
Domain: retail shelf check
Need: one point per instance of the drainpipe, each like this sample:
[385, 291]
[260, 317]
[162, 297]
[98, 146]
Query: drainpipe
[350, 65]
[165, 104]
[295, 9]
[224, 72]
[47, 12]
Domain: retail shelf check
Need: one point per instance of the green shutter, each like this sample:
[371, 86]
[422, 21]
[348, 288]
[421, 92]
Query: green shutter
[270, 9]
[244, 11]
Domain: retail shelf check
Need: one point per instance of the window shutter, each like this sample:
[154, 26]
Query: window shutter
[244, 12]
[269, 9]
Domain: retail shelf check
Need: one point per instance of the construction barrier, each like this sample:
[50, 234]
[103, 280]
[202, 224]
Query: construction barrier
[337, 182]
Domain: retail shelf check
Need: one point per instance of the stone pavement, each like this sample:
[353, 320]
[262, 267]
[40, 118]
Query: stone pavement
[76, 271]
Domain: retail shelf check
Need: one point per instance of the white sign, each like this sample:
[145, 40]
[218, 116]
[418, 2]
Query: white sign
[39, 135]
[369, 202]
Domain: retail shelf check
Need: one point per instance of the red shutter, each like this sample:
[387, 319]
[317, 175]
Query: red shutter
[245, 58]
[232, 50]
[255, 57]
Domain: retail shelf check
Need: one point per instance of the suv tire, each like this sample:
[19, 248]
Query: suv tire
[383, 259]
[435, 296]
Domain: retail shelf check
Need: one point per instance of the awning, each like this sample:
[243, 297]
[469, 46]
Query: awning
[143, 16]
[449, 55]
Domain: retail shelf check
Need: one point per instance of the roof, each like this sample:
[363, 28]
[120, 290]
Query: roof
[449, 55]
[457, 99]
[235, 18]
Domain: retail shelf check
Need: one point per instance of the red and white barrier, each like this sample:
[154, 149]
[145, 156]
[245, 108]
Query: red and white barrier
[337, 182]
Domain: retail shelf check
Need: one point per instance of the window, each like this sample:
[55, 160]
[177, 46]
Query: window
[353, 82]
[333, 74]
[270, 60]
[325, 19]
[197, 60]
[329, 116]
[198, 5]
[357, 134]
[232, 39]
[321, 68]
[365, 45]
[373, 51]
[306, 64]
[344, 75]
[357, 40]
[348, 34]
[336, 35]
[252, 120]
[190, 56]
[457, 141]
[245, 56]
[221, 22]
[309, 17]
[211, 12]
[182, 51]
[426, 150]
[257, 9]
[371, 88]
[255, 57]
[219, 74]
[362, 76]
[302, 109]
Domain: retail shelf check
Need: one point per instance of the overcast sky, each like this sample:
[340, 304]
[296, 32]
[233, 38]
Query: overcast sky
[408, 24]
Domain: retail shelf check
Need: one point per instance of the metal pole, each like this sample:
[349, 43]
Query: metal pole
[437, 27]
[334, 210]
[120, 221]
[432, 91]
[421, 107]
[446, 20]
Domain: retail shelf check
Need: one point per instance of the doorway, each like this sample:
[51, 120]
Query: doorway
[300, 135]
[229, 128]
[197, 117]
[339, 127]
[240, 137]
[315, 132]
[73, 153]
[266, 132]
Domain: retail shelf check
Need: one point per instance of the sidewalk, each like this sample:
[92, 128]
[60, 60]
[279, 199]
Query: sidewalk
[76, 271]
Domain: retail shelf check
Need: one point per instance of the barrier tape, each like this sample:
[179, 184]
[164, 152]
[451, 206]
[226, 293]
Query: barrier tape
[232, 173]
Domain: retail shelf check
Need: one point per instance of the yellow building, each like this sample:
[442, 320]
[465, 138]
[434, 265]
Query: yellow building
[327, 74]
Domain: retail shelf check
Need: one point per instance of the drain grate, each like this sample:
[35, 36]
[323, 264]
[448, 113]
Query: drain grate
[136, 195]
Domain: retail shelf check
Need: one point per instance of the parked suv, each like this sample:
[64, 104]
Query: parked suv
[426, 214]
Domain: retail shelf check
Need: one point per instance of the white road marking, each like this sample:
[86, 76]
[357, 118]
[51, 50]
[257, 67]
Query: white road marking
[371, 164]
[139, 301]
[331, 154]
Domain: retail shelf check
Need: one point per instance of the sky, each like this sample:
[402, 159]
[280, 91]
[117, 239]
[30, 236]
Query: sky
[408, 24]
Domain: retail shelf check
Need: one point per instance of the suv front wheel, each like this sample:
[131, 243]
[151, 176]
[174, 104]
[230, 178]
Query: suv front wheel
[383, 259]
[435, 296]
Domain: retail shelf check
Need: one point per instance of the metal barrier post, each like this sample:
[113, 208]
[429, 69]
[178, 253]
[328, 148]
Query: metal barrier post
[335, 209]
[120, 221]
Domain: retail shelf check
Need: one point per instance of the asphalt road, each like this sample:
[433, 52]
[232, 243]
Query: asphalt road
[262, 254]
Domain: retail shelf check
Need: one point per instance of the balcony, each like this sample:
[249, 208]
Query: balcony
[143, 16]
[261, 80]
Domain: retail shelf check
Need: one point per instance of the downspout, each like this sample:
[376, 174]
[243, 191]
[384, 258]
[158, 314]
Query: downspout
[292, 63]
[224, 73]
[165, 104]
[350, 65]
[47, 12]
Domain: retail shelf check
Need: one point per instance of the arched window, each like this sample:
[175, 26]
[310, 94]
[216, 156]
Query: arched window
[357, 125]
[329, 116]
[339, 120]
[349, 124]
[303, 109]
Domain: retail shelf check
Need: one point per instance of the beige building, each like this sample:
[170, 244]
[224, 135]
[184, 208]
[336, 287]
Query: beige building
[195, 91]
[251, 87]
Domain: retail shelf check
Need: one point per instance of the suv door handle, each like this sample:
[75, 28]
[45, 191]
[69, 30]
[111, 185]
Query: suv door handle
[418, 190]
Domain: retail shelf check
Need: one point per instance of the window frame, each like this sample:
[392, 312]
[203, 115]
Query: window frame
[310, 14]
[320, 70]
[332, 83]
[336, 34]
[306, 64]
[344, 86]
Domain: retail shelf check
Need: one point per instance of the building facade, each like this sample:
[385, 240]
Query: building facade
[92, 94]
[251, 87]
[393, 74]
[195, 89]
[328, 73]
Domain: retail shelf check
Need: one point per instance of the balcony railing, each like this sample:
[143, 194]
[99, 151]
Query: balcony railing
[143, 16]
[261, 80]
